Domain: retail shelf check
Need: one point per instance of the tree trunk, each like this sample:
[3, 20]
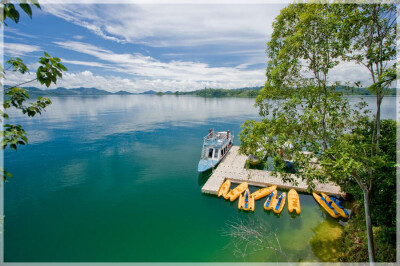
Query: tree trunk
[371, 250]
[378, 121]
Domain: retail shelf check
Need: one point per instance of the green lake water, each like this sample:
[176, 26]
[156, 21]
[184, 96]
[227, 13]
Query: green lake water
[114, 178]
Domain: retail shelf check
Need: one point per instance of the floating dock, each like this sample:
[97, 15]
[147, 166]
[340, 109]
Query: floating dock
[233, 167]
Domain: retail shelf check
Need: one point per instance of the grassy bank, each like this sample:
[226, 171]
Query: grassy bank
[354, 246]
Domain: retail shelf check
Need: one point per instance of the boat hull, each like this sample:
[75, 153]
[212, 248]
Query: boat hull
[293, 201]
[332, 212]
[205, 165]
[254, 160]
[270, 199]
[235, 193]
[224, 189]
[263, 192]
[279, 203]
[216, 146]
[333, 204]
[246, 201]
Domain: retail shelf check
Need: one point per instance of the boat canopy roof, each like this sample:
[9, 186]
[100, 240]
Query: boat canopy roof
[216, 139]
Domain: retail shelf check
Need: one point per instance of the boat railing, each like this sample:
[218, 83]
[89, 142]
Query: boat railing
[215, 136]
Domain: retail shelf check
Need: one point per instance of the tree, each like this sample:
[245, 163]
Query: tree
[306, 111]
[384, 211]
[48, 72]
[308, 40]
[373, 34]
[373, 44]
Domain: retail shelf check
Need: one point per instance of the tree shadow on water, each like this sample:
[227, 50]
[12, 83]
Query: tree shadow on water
[326, 241]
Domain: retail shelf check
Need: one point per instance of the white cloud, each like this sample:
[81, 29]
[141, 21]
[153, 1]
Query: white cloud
[350, 72]
[115, 83]
[84, 63]
[173, 25]
[15, 31]
[344, 72]
[184, 74]
[19, 49]
[78, 37]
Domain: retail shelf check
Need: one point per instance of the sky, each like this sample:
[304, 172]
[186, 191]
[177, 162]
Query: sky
[137, 47]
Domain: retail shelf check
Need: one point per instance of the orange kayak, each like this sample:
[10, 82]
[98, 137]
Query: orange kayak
[332, 212]
[224, 189]
[334, 205]
[279, 203]
[293, 201]
[235, 193]
[246, 201]
[270, 199]
[263, 192]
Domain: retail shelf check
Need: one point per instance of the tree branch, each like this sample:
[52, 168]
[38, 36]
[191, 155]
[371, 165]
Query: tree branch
[16, 86]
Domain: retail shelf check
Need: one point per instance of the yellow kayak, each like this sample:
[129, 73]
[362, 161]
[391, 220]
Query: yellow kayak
[332, 212]
[246, 201]
[224, 189]
[279, 203]
[331, 203]
[261, 193]
[270, 199]
[293, 201]
[235, 193]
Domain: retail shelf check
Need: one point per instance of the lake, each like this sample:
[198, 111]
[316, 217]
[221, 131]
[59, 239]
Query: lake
[114, 178]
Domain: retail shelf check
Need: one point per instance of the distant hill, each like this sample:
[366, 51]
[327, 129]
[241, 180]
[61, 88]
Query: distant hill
[89, 91]
[60, 91]
[246, 92]
[148, 92]
[123, 93]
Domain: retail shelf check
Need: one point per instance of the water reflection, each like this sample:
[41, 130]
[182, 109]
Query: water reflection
[101, 116]
[106, 115]
[203, 177]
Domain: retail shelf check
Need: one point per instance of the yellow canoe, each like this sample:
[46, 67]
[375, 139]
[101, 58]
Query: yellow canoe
[224, 189]
[235, 193]
[332, 212]
[246, 201]
[261, 193]
[293, 201]
[331, 203]
[270, 199]
[279, 203]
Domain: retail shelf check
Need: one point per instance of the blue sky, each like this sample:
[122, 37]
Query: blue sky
[138, 47]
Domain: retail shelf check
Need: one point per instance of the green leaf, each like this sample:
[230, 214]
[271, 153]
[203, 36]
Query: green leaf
[48, 82]
[27, 9]
[14, 15]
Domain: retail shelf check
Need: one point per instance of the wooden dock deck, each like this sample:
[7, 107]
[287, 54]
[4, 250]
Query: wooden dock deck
[233, 167]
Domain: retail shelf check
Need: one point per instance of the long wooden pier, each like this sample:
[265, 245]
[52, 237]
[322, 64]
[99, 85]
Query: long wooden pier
[233, 168]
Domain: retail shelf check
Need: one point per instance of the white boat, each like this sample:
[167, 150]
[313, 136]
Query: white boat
[215, 147]
[253, 159]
